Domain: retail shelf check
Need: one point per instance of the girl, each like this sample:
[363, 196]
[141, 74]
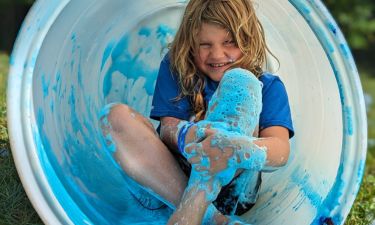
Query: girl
[205, 159]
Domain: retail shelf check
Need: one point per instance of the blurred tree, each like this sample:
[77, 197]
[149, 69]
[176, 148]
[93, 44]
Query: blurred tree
[5, 2]
[12, 13]
[356, 20]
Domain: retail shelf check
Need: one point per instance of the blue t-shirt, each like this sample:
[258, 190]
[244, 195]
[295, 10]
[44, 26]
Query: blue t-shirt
[275, 109]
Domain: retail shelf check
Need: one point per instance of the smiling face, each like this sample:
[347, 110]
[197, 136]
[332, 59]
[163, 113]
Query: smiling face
[217, 51]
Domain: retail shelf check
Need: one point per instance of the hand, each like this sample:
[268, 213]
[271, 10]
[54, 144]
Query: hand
[200, 180]
[212, 153]
[211, 156]
[202, 129]
[221, 153]
[189, 132]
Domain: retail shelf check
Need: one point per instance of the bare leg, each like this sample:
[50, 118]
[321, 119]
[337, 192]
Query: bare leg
[191, 209]
[142, 155]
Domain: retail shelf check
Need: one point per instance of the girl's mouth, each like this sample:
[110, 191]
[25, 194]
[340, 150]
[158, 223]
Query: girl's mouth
[217, 65]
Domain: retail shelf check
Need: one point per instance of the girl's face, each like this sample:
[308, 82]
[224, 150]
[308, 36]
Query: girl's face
[217, 51]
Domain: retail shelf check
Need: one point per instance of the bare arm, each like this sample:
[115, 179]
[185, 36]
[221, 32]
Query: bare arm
[276, 140]
[225, 150]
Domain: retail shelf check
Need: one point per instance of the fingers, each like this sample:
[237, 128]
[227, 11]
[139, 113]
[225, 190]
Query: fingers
[193, 150]
[205, 129]
[197, 157]
[202, 168]
[202, 130]
[201, 133]
[194, 160]
[197, 133]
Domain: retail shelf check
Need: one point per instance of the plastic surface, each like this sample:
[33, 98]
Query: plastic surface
[73, 57]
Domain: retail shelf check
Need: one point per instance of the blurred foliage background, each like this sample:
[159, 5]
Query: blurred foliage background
[356, 19]
[357, 22]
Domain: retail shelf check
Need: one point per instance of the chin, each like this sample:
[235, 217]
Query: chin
[216, 77]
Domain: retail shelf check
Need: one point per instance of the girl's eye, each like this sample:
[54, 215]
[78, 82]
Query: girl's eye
[229, 43]
[204, 45]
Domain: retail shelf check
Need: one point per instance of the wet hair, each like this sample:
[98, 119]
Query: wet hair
[239, 19]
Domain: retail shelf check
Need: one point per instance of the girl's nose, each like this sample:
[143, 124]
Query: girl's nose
[217, 52]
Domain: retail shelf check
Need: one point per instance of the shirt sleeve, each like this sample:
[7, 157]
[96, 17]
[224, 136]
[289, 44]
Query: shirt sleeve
[276, 109]
[164, 101]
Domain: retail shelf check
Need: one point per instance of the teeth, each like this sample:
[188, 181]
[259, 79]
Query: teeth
[217, 64]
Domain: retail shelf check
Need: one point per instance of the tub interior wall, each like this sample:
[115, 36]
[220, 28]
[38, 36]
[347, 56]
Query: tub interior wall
[83, 70]
[316, 110]
[97, 53]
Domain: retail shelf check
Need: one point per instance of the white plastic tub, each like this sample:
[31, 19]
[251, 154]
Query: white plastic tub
[73, 57]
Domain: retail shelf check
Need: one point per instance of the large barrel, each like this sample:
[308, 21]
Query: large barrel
[71, 58]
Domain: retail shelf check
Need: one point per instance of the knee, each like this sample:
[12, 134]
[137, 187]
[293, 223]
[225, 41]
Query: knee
[115, 116]
[239, 77]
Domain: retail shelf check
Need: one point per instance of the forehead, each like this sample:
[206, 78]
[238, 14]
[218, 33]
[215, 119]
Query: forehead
[213, 31]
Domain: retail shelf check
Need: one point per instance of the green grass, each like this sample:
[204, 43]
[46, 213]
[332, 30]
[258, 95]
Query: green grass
[363, 210]
[4, 61]
[15, 207]
[369, 87]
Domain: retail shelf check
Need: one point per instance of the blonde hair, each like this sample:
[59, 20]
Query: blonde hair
[236, 16]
